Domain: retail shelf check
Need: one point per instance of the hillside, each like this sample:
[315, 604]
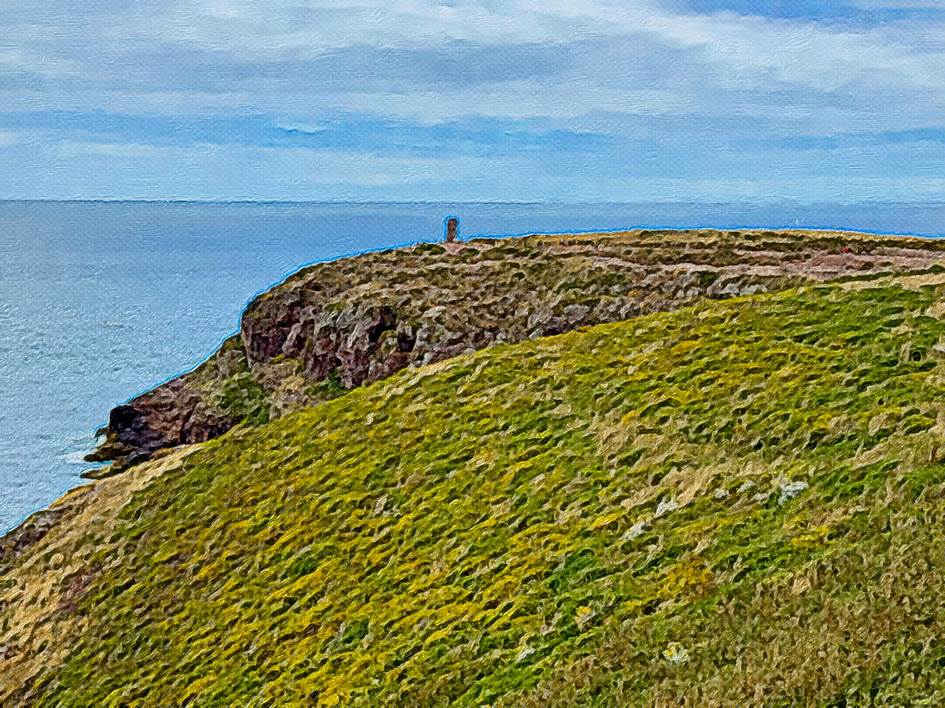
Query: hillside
[739, 501]
[334, 326]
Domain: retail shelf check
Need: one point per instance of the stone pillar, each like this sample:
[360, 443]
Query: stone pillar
[452, 229]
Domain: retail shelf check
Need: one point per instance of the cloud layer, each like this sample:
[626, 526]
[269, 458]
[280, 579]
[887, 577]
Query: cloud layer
[562, 100]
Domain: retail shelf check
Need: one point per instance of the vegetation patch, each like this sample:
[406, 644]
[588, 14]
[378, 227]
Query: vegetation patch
[242, 398]
[738, 502]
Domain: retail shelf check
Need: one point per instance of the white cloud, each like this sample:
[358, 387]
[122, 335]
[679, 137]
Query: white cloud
[628, 69]
[720, 51]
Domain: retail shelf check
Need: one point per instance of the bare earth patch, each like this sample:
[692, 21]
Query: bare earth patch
[37, 605]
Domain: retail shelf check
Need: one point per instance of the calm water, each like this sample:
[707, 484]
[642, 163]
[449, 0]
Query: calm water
[101, 301]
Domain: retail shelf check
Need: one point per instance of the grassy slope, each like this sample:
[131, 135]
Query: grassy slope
[616, 515]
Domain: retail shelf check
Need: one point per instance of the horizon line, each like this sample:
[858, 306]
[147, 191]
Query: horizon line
[496, 202]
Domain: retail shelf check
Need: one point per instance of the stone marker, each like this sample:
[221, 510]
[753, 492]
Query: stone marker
[452, 229]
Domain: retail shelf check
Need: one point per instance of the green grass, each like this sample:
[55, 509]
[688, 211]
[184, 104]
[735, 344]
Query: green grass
[242, 398]
[738, 502]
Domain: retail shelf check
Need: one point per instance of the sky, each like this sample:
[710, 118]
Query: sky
[806, 101]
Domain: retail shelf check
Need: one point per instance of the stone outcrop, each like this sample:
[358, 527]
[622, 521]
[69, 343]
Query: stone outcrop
[342, 324]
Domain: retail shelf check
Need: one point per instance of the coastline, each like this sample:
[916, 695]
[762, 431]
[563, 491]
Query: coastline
[42, 519]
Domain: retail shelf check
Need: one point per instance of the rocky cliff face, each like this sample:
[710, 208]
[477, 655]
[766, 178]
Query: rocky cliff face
[338, 325]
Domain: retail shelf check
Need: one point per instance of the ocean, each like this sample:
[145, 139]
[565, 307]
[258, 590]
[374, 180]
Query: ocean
[100, 301]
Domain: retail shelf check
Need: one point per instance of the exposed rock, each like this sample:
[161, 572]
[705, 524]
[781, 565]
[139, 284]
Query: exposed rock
[341, 324]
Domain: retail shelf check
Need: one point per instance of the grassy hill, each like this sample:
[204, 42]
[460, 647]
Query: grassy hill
[737, 502]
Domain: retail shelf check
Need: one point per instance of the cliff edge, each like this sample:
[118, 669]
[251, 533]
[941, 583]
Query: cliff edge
[337, 325]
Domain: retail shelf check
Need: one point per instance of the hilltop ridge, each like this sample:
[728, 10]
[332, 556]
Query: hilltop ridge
[337, 325]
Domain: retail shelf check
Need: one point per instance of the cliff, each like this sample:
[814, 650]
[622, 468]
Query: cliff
[335, 326]
[738, 502]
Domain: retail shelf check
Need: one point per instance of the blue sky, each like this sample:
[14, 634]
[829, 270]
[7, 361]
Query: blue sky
[564, 100]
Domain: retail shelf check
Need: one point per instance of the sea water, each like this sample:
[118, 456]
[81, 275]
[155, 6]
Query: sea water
[100, 301]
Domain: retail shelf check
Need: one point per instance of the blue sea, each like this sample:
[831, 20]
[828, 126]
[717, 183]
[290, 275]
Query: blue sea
[102, 300]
